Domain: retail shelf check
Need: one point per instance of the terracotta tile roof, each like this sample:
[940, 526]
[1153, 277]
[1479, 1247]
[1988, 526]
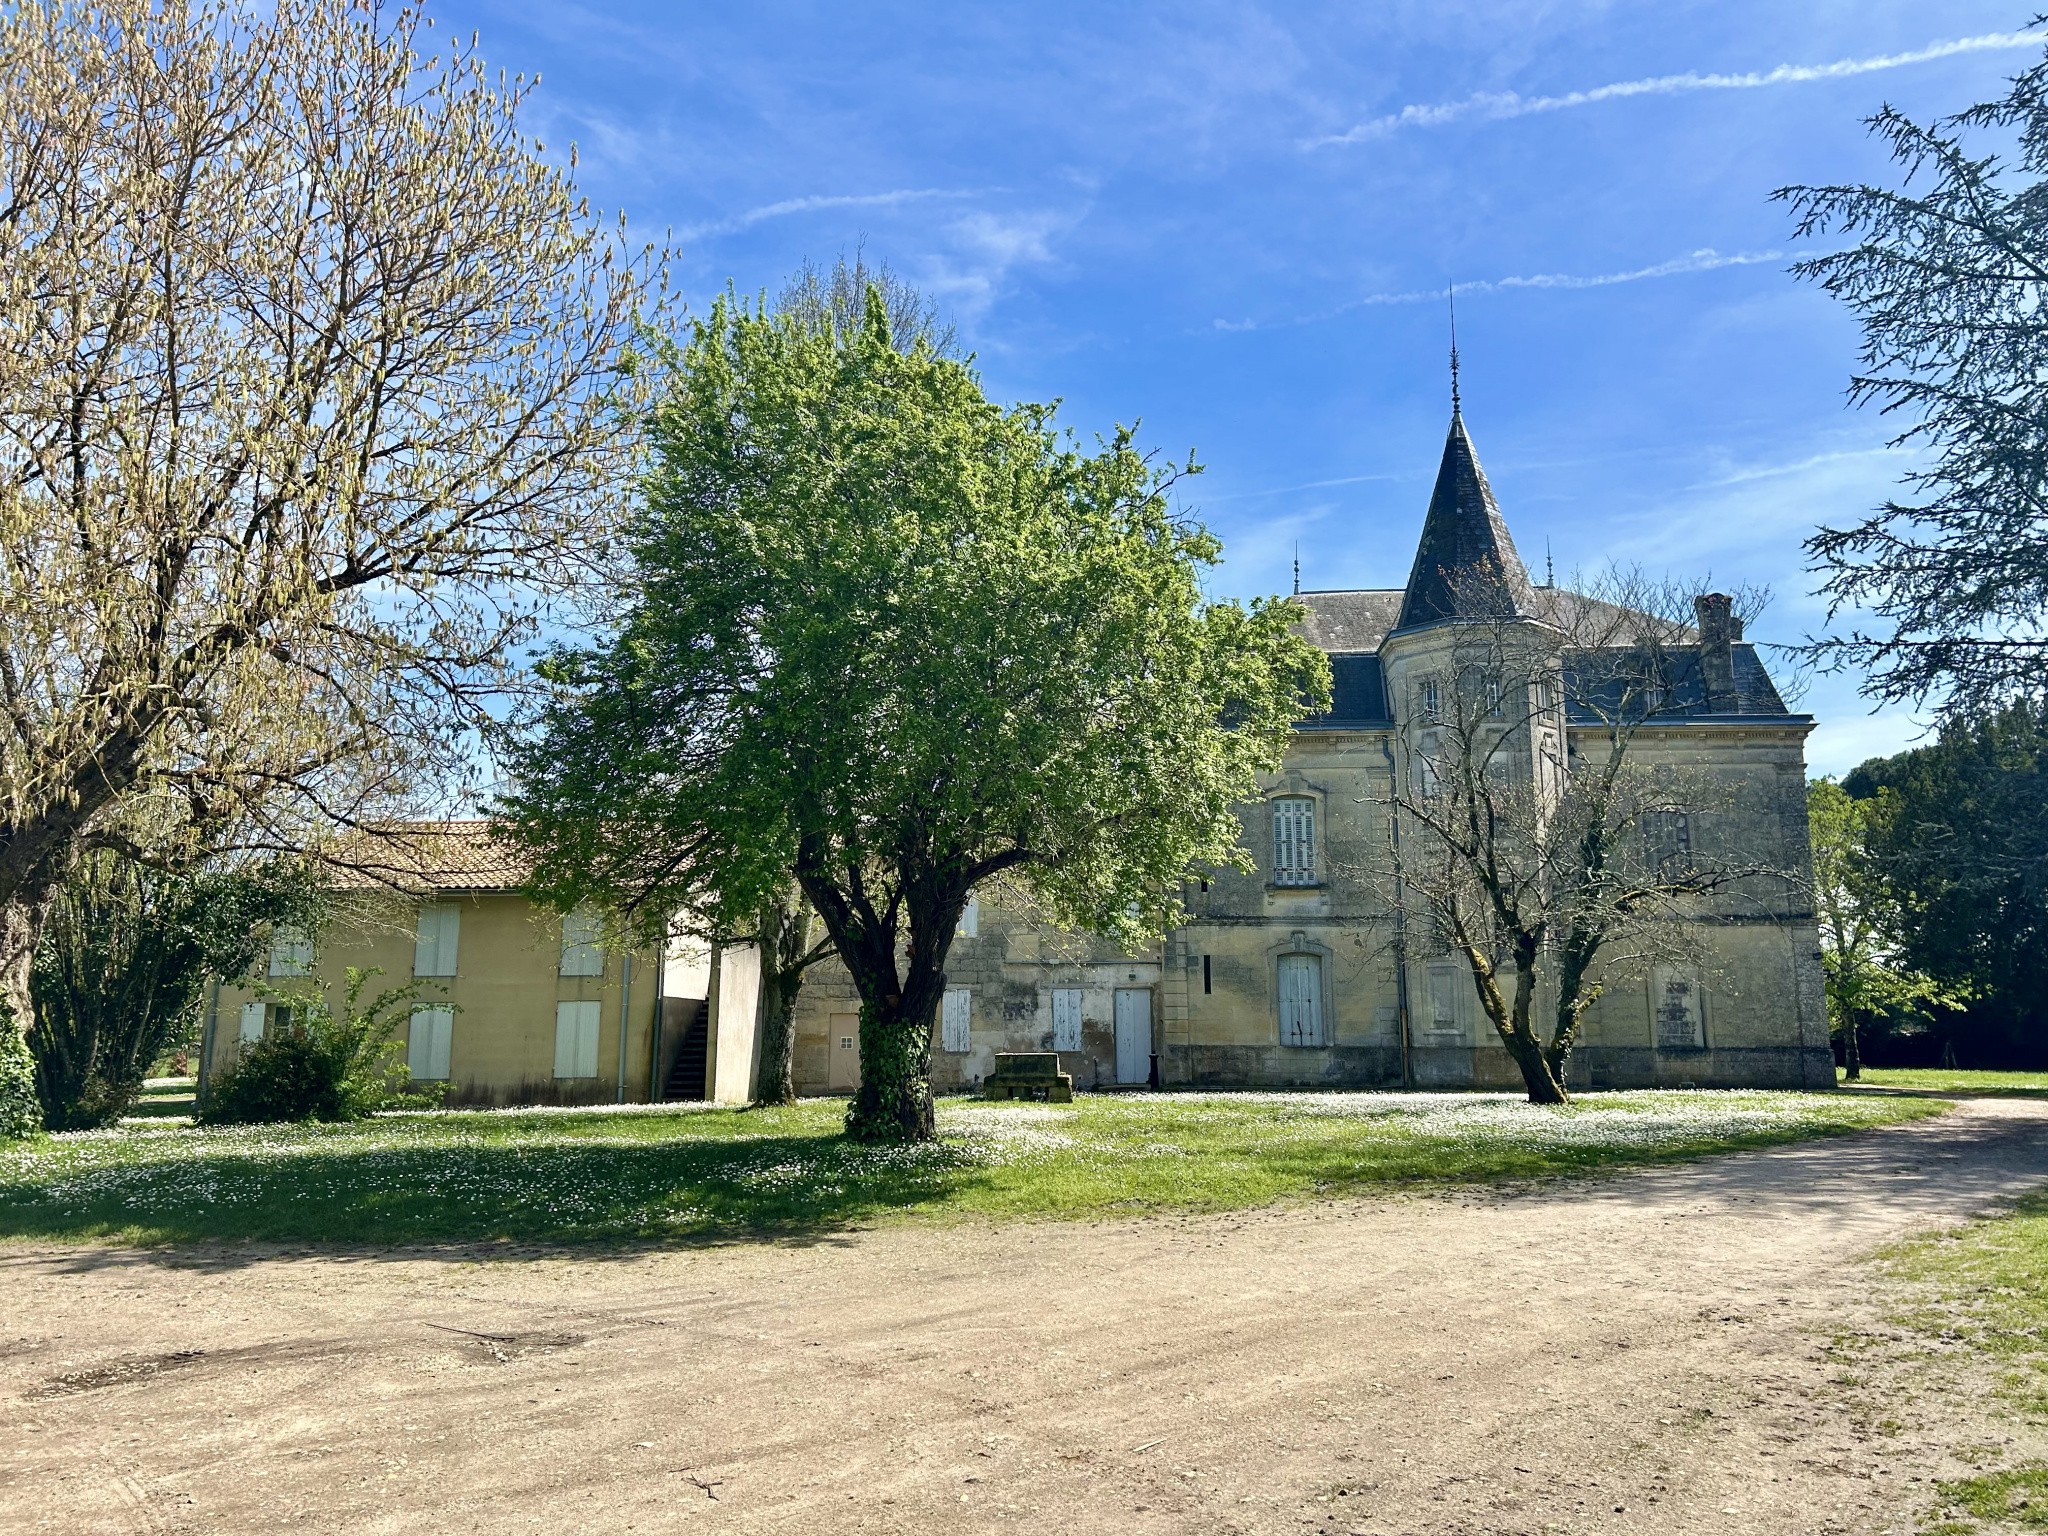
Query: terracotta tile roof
[427, 856]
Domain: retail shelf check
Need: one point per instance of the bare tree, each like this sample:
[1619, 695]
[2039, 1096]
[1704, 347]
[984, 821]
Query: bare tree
[308, 406]
[1540, 845]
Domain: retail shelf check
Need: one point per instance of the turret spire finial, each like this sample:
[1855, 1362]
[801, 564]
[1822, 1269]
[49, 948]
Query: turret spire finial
[1297, 567]
[1455, 406]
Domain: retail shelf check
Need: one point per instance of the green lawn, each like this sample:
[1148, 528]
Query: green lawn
[2025, 1085]
[671, 1171]
[164, 1098]
[1978, 1295]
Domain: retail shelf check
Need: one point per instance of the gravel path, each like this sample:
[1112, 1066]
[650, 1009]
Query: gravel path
[1636, 1354]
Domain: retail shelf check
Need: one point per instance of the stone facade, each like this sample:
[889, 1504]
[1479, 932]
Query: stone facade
[1287, 975]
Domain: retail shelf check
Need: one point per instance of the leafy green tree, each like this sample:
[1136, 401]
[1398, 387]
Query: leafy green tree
[126, 955]
[1948, 273]
[1860, 918]
[1964, 843]
[901, 641]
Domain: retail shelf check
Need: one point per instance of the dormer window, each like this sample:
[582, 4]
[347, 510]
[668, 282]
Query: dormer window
[1294, 840]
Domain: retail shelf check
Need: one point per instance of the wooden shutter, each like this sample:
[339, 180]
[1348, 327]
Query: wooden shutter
[1066, 1018]
[970, 918]
[955, 1030]
[1294, 841]
[576, 1039]
[291, 954]
[426, 1044]
[1443, 1000]
[1301, 1000]
[582, 943]
[434, 946]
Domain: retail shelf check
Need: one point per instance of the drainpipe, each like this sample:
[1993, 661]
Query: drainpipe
[655, 1085]
[1400, 914]
[625, 1013]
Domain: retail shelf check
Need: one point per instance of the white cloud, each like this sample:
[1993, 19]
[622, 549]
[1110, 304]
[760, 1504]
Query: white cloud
[984, 248]
[1495, 105]
[1704, 260]
[795, 205]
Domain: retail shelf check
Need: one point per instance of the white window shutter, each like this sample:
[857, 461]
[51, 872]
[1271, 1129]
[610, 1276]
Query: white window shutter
[1066, 1018]
[251, 1024]
[426, 1044]
[970, 918]
[291, 954]
[582, 943]
[576, 1039]
[438, 934]
[955, 1027]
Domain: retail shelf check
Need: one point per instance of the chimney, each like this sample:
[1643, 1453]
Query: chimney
[1719, 629]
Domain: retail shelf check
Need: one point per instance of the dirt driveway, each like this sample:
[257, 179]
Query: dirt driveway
[1637, 1354]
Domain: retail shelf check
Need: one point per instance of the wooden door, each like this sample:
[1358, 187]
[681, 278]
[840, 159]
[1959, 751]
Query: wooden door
[1066, 1018]
[843, 1047]
[1133, 1034]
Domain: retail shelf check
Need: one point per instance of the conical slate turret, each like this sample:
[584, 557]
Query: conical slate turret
[1465, 566]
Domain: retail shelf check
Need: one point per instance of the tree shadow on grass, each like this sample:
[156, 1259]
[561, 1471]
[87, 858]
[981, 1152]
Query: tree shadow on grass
[512, 1199]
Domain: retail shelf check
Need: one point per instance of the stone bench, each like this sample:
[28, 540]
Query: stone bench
[1029, 1075]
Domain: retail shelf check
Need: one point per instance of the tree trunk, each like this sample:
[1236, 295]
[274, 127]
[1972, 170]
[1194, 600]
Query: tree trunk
[774, 1083]
[1544, 1085]
[1512, 1022]
[785, 939]
[21, 1110]
[1852, 1056]
[21, 925]
[894, 1103]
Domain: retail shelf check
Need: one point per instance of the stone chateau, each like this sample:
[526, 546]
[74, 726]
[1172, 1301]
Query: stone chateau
[1288, 976]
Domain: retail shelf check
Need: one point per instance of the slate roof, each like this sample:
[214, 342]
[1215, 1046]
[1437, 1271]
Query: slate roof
[1755, 694]
[460, 855]
[1358, 696]
[1465, 564]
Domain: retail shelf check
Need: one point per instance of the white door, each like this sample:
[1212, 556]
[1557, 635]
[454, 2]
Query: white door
[250, 1027]
[1301, 1000]
[1133, 1034]
[1066, 1018]
[842, 1072]
[426, 1044]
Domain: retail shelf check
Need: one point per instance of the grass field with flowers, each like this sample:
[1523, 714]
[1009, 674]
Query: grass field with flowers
[697, 1172]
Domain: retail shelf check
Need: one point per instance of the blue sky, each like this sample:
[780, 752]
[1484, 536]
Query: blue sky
[1234, 223]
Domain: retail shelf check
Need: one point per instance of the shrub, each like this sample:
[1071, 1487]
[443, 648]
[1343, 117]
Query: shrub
[321, 1063]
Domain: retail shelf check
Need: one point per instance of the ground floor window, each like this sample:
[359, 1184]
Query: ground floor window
[426, 1044]
[1677, 1016]
[955, 1015]
[1445, 983]
[1301, 1000]
[250, 1028]
[576, 1039]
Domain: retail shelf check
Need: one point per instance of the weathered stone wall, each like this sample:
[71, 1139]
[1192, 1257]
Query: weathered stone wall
[1214, 983]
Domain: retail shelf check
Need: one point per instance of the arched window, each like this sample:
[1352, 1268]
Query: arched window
[1294, 840]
